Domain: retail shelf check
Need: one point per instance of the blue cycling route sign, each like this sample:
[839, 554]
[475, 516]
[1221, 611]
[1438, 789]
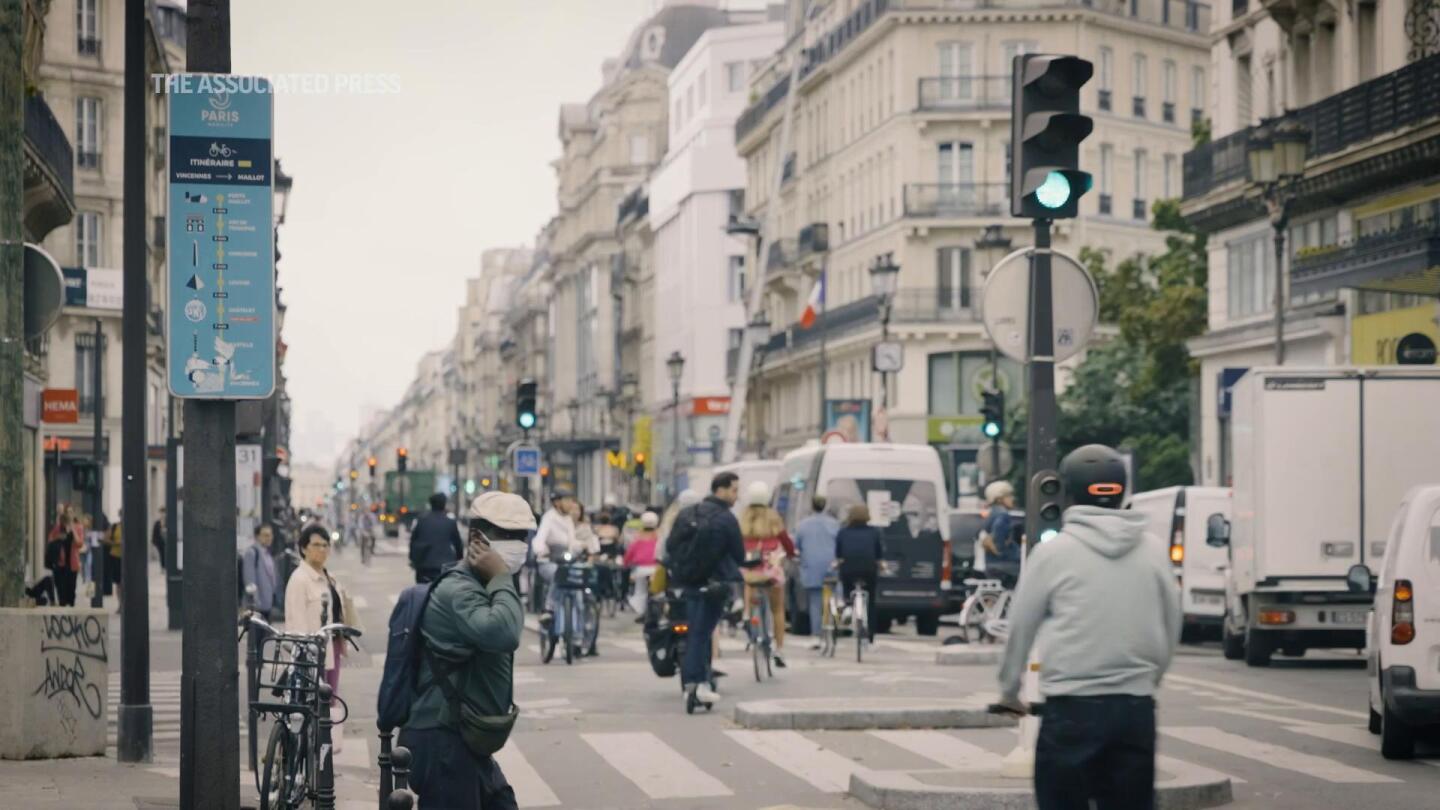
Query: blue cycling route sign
[221, 337]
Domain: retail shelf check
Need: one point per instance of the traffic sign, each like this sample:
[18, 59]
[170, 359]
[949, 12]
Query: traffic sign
[220, 252]
[1005, 305]
[527, 460]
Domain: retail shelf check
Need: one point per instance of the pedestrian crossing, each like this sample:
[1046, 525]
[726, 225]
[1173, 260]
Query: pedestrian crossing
[666, 766]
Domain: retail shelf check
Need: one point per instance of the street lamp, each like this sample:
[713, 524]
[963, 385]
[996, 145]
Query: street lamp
[675, 364]
[884, 276]
[1277, 152]
[573, 408]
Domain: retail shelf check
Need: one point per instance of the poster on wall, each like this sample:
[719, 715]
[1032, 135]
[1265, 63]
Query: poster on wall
[850, 418]
[247, 492]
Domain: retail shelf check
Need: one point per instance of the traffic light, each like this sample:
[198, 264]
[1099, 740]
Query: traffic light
[485, 482]
[1046, 129]
[1045, 495]
[639, 465]
[470, 486]
[371, 461]
[400, 457]
[354, 474]
[992, 409]
[525, 404]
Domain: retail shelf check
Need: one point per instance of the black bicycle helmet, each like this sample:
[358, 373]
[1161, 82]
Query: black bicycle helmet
[1094, 475]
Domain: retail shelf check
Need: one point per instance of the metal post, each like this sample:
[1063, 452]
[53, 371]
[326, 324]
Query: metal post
[1278, 218]
[675, 447]
[173, 582]
[325, 784]
[387, 778]
[12, 311]
[1041, 432]
[995, 443]
[885, 338]
[133, 740]
[97, 504]
[824, 306]
[209, 759]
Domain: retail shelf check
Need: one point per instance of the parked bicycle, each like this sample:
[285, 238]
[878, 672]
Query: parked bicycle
[294, 772]
[984, 616]
[576, 624]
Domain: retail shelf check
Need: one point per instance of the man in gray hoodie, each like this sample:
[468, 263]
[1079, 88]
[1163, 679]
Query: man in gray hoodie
[1103, 595]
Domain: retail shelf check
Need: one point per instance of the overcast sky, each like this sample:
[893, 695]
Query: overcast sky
[397, 194]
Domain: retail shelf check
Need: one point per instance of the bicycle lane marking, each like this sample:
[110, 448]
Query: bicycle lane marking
[1275, 700]
[656, 768]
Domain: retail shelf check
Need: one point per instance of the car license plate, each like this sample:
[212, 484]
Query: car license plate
[1208, 598]
[1348, 616]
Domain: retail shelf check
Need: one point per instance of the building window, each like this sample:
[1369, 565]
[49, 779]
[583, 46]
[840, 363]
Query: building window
[89, 235]
[1107, 160]
[1139, 210]
[1107, 77]
[956, 379]
[1138, 67]
[678, 116]
[87, 27]
[1250, 275]
[1169, 179]
[1244, 90]
[735, 280]
[1167, 110]
[1011, 50]
[734, 76]
[703, 83]
[639, 149]
[953, 283]
[1197, 95]
[88, 131]
[689, 102]
[956, 68]
[85, 363]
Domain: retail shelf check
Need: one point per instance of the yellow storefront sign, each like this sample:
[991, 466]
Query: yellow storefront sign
[1376, 340]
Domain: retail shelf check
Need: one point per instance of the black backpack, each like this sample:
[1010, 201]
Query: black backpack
[695, 545]
[399, 684]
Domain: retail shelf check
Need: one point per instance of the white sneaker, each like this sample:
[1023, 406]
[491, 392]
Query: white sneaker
[705, 694]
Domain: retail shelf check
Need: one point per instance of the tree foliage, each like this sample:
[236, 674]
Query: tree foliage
[1134, 392]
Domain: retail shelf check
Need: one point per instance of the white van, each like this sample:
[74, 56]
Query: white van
[904, 487]
[1402, 639]
[750, 471]
[1177, 517]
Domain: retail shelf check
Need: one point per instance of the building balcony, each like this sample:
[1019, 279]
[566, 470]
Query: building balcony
[1360, 122]
[934, 305]
[1404, 260]
[955, 200]
[963, 93]
[49, 172]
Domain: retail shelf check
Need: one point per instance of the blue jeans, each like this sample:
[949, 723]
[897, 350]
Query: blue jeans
[703, 613]
[814, 599]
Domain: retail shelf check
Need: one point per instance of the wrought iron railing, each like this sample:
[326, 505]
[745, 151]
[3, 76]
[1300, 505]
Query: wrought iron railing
[1375, 246]
[934, 304]
[956, 199]
[48, 139]
[1381, 106]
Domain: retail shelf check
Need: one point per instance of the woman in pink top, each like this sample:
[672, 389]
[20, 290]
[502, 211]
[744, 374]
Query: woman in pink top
[640, 559]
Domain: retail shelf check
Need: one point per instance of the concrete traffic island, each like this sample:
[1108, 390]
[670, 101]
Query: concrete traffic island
[842, 714]
[1177, 787]
[969, 654]
[54, 693]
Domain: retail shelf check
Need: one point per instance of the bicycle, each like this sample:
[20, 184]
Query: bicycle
[758, 620]
[984, 615]
[832, 607]
[577, 620]
[859, 617]
[294, 771]
[367, 546]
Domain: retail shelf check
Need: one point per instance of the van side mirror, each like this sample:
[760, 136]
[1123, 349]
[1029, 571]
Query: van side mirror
[1359, 580]
[1217, 531]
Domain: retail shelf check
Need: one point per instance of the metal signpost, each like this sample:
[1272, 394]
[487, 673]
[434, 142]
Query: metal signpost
[220, 347]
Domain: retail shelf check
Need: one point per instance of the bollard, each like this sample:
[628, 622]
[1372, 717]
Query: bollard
[400, 759]
[252, 685]
[325, 784]
[401, 800]
[387, 779]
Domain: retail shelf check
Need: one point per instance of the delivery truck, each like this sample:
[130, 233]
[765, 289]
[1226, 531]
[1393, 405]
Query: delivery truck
[1322, 459]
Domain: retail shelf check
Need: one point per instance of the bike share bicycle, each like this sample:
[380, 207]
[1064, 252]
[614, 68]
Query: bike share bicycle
[576, 622]
[298, 764]
[758, 618]
[833, 619]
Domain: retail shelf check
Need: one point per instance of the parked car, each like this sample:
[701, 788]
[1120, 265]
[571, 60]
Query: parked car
[1402, 638]
[1177, 517]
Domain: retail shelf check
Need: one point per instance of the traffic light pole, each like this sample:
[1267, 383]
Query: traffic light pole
[1041, 431]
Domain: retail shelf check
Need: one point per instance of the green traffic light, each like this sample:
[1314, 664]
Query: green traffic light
[470, 486]
[527, 420]
[1048, 534]
[1054, 192]
[991, 430]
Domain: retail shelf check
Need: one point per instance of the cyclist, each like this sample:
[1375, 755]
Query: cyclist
[858, 552]
[704, 550]
[470, 630]
[640, 559]
[766, 539]
[815, 540]
[1104, 595]
[552, 541]
[1002, 553]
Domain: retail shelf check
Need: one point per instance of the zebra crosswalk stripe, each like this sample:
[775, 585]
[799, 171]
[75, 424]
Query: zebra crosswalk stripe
[1278, 756]
[1347, 735]
[945, 749]
[802, 757]
[530, 789]
[656, 768]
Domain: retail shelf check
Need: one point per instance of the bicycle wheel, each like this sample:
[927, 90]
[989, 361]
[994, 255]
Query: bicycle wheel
[862, 628]
[547, 645]
[367, 550]
[976, 611]
[592, 623]
[571, 615]
[277, 786]
[767, 642]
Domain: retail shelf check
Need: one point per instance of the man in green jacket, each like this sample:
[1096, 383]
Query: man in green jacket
[471, 627]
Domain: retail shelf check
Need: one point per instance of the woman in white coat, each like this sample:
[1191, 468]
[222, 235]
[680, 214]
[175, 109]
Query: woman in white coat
[314, 599]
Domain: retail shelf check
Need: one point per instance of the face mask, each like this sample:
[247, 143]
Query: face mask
[513, 552]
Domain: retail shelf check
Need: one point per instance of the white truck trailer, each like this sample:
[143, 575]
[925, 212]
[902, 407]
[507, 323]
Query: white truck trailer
[1322, 459]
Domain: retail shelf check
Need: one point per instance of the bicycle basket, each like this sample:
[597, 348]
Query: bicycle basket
[574, 576]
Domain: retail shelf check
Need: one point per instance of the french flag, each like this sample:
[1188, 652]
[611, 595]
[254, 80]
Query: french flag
[814, 304]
